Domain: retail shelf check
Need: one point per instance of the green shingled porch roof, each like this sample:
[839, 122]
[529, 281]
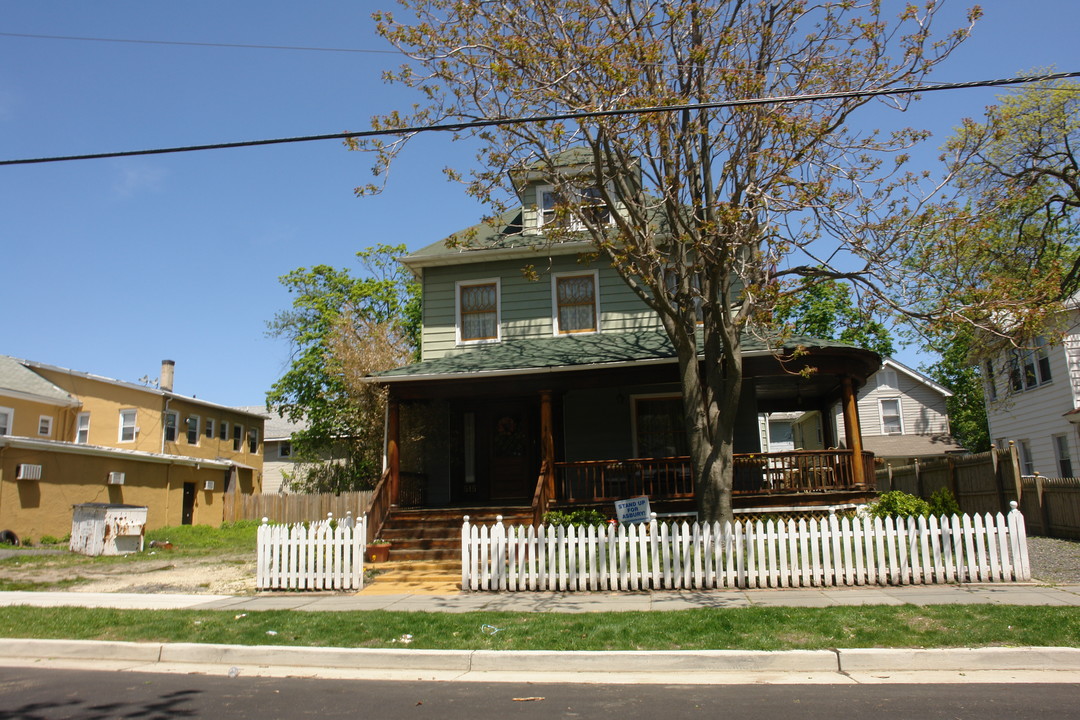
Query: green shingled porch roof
[570, 351]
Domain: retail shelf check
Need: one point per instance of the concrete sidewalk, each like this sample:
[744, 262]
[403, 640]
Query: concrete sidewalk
[570, 602]
[837, 666]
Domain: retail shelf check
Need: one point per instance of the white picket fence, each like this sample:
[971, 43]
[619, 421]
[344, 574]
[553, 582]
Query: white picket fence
[318, 556]
[809, 553]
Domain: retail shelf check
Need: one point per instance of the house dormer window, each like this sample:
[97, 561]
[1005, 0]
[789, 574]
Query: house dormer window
[478, 311]
[576, 303]
[589, 202]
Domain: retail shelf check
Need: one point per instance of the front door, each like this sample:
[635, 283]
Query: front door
[187, 514]
[510, 456]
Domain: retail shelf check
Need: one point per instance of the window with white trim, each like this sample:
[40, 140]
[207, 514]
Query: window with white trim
[554, 210]
[1063, 456]
[208, 430]
[887, 379]
[1027, 460]
[192, 423]
[82, 428]
[892, 420]
[1030, 368]
[253, 440]
[575, 303]
[478, 311]
[284, 449]
[7, 420]
[172, 419]
[44, 428]
[223, 435]
[237, 437]
[127, 425]
[991, 381]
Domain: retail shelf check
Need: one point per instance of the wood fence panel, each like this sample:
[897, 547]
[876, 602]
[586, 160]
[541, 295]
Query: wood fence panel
[286, 508]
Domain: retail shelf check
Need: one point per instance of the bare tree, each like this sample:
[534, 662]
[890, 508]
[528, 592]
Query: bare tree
[709, 213]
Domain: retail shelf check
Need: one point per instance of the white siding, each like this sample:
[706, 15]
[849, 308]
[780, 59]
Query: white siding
[921, 404]
[1038, 414]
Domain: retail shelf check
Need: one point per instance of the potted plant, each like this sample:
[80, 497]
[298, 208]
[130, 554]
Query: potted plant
[378, 550]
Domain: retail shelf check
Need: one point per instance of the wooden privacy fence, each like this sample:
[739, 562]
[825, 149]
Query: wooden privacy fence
[290, 508]
[1052, 504]
[316, 556]
[981, 482]
[827, 552]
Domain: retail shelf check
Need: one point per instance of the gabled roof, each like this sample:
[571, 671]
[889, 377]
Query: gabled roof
[32, 365]
[19, 381]
[916, 376]
[572, 352]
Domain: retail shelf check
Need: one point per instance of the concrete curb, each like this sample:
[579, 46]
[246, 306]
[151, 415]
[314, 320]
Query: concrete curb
[539, 661]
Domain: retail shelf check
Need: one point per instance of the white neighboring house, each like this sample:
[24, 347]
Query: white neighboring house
[902, 414]
[1033, 400]
[277, 449]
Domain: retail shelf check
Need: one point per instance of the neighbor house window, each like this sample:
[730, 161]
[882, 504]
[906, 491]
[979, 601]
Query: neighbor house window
[127, 425]
[193, 429]
[253, 440]
[659, 427]
[892, 422]
[44, 427]
[887, 379]
[7, 419]
[209, 429]
[171, 420]
[1027, 460]
[284, 449]
[82, 428]
[576, 307]
[991, 381]
[1030, 368]
[1063, 456]
[224, 433]
[237, 437]
[478, 311]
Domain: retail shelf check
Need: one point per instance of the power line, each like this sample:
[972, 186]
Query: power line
[195, 44]
[478, 124]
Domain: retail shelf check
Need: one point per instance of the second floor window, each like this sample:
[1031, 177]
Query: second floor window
[237, 438]
[82, 429]
[478, 311]
[209, 429]
[1029, 368]
[6, 417]
[575, 303]
[193, 430]
[127, 425]
[253, 440]
[891, 420]
[170, 426]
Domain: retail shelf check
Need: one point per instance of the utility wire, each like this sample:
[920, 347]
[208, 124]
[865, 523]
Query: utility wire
[477, 124]
[195, 44]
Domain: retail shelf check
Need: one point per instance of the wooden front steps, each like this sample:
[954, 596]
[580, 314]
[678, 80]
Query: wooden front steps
[425, 550]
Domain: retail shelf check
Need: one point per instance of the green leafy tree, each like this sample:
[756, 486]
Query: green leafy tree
[826, 310]
[341, 328]
[967, 407]
[711, 208]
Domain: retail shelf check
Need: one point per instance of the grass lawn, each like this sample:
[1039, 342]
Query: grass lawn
[701, 629]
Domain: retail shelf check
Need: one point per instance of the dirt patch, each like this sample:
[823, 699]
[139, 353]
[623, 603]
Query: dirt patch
[211, 575]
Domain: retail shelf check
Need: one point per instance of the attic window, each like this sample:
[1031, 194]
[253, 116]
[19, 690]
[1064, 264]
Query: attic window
[589, 202]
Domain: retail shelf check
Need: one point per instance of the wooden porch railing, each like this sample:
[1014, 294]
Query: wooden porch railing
[381, 501]
[542, 496]
[672, 478]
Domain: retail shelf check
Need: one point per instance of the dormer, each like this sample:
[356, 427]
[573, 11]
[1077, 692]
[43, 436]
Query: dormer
[548, 187]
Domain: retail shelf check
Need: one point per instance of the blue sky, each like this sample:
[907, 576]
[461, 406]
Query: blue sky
[110, 266]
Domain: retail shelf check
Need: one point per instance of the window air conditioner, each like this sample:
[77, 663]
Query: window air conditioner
[24, 471]
[208, 485]
[116, 478]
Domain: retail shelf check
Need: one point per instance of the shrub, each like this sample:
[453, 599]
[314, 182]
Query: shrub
[943, 502]
[577, 518]
[898, 504]
[49, 540]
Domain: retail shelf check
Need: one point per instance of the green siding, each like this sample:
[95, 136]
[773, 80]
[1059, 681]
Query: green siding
[525, 305]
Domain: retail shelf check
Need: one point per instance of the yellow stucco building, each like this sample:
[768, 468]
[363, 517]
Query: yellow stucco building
[70, 437]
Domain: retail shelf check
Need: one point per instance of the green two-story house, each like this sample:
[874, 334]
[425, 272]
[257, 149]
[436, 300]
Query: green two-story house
[544, 381]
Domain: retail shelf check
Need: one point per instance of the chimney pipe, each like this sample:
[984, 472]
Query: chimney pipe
[168, 368]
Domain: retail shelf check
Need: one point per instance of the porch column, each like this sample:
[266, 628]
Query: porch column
[547, 440]
[392, 459]
[852, 429]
